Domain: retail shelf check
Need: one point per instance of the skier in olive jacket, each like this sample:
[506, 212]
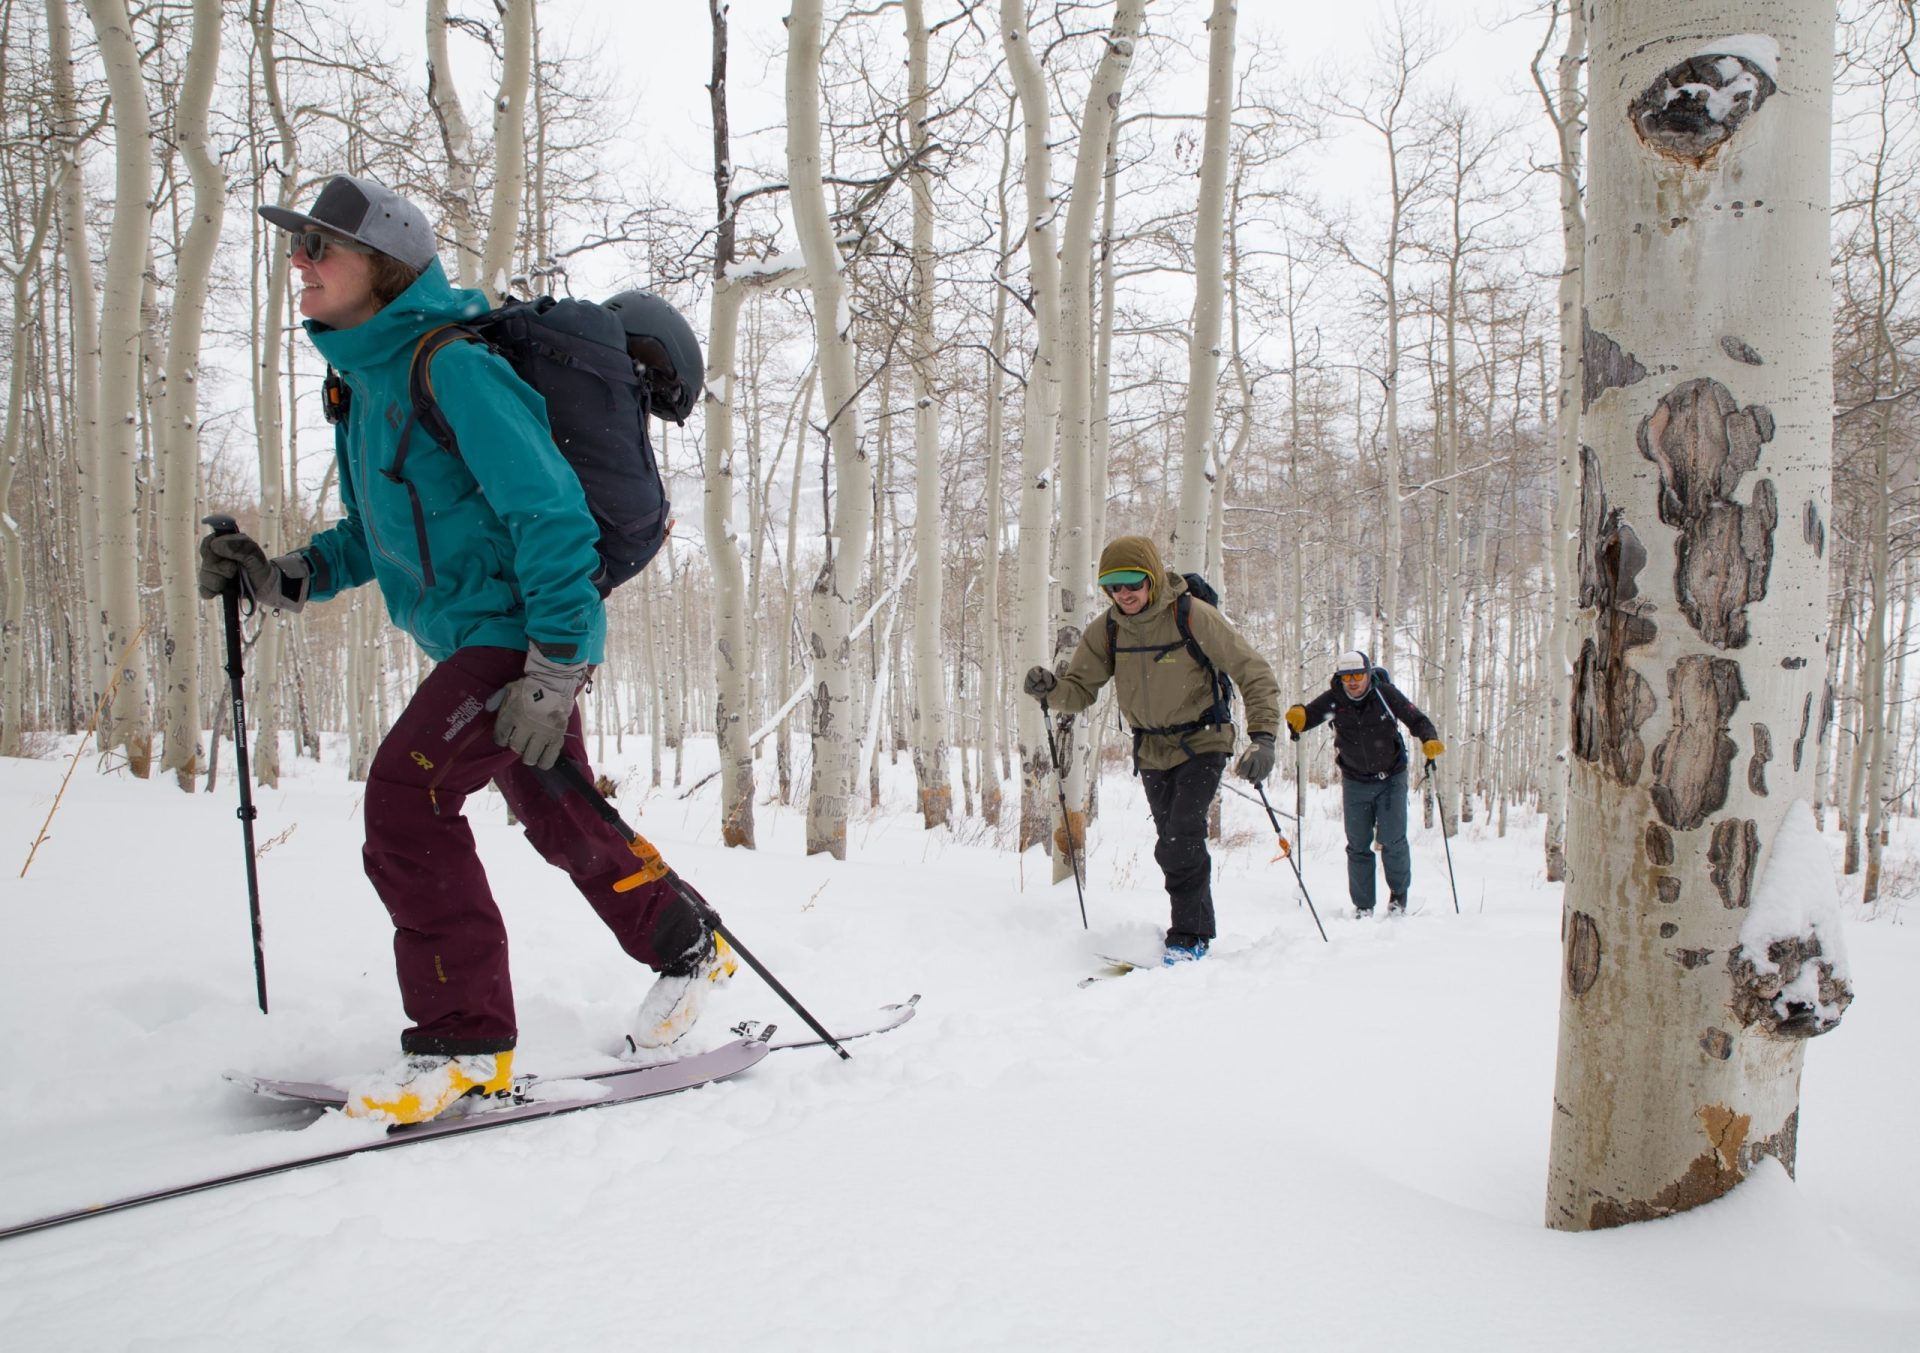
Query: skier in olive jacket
[1183, 732]
[487, 558]
[1364, 706]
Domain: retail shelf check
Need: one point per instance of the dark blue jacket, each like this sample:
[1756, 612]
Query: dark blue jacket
[1366, 737]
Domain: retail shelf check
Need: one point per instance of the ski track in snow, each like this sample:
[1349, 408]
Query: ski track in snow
[1290, 1144]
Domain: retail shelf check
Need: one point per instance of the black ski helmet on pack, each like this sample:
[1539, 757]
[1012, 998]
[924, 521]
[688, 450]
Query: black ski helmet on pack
[663, 348]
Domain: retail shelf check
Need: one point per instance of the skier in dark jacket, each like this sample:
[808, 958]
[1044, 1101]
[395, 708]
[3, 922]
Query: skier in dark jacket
[1182, 733]
[487, 559]
[1366, 709]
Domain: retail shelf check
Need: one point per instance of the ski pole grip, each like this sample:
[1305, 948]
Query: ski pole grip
[221, 524]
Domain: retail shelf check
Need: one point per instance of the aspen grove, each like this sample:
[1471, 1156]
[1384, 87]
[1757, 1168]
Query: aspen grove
[1581, 395]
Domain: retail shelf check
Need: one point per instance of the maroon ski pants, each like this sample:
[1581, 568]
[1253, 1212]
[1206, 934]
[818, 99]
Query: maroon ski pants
[449, 943]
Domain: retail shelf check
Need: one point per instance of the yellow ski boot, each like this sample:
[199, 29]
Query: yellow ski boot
[676, 999]
[423, 1085]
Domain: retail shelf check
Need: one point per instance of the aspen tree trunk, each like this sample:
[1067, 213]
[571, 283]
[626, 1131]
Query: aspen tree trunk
[270, 431]
[456, 138]
[1073, 566]
[835, 740]
[77, 251]
[127, 725]
[13, 637]
[1567, 111]
[792, 616]
[990, 706]
[1030, 639]
[932, 726]
[180, 427]
[509, 147]
[723, 551]
[1189, 550]
[1701, 937]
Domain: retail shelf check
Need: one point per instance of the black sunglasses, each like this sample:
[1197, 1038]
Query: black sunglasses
[1128, 587]
[315, 243]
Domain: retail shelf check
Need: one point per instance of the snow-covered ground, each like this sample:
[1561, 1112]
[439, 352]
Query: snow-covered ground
[1289, 1145]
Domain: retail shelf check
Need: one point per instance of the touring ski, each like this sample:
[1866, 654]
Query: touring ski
[545, 1099]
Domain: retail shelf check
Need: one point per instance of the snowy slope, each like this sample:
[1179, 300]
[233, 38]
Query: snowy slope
[1292, 1144]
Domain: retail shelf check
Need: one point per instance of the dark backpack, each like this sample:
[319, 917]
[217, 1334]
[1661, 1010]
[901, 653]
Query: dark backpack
[574, 354]
[1221, 711]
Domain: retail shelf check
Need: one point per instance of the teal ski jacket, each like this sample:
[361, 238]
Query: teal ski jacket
[493, 546]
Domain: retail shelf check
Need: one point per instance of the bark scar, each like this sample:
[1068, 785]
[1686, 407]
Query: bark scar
[1695, 107]
[1703, 442]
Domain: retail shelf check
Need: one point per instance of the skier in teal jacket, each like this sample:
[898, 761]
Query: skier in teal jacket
[488, 559]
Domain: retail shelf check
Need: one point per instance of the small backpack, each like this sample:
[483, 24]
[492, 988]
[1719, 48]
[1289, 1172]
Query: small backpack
[1221, 711]
[574, 353]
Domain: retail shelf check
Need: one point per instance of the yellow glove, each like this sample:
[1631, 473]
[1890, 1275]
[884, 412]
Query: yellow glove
[1297, 719]
[1433, 747]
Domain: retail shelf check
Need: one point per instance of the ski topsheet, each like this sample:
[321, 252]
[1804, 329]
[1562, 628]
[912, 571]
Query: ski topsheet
[333, 1097]
[543, 1099]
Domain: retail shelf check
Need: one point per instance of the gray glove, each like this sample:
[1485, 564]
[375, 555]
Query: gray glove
[1040, 682]
[280, 583]
[534, 710]
[1256, 763]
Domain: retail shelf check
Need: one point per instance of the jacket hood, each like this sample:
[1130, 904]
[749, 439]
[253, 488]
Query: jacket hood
[430, 302]
[1136, 552]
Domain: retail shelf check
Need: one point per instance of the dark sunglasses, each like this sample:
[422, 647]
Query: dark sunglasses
[1140, 586]
[315, 243]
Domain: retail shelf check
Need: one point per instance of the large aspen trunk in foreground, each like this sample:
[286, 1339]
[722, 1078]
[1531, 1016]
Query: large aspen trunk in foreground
[1701, 944]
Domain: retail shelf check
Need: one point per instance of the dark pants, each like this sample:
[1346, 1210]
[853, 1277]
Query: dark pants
[449, 944]
[1376, 808]
[1179, 799]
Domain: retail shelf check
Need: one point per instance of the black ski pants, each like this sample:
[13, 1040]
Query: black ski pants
[1179, 799]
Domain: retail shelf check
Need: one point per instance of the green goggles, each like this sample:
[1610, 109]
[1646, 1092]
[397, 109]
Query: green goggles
[1123, 577]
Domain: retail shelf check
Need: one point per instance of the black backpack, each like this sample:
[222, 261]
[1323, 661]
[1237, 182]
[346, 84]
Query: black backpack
[1221, 711]
[574, 353]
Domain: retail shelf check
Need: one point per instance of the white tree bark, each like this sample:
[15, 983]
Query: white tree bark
[269, 419]
[932, 726]
[127, 725]
[1074, 589]
[1567, 111]
[13, 636]
[1030, 639]
[509, 147]
[989, 699]
[1701, 940]
[834, 739]
[731, 713]
[456, 137]
[180, 428]
[78, 255]
[1198, 444]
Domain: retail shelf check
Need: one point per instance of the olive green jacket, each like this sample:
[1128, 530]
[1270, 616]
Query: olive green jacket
[1170, 688]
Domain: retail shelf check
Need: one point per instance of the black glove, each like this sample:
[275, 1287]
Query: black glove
[228, 555]
[1256, 763]
[534, 710]
[1040, 682]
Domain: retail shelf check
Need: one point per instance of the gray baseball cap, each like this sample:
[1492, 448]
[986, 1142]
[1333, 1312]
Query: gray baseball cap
[368, 213]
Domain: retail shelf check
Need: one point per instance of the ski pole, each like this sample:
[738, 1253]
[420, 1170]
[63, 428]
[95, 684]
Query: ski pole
[223, 525]
[1445, 836]
[1066, 817]
[655, 866]
[1287, 851]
